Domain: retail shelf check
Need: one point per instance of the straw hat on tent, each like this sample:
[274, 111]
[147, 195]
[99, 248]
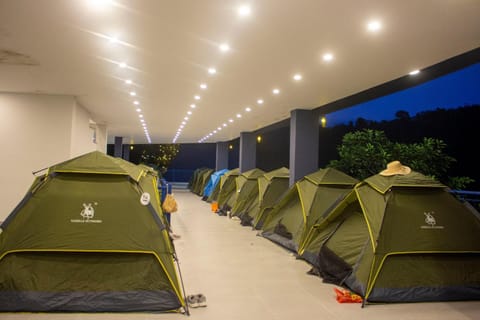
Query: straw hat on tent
[395, 167]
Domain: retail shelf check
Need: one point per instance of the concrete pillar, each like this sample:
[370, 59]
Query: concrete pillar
[221, 160]
[248, 151]
[118, 147]
[126, 152]
[304, 131]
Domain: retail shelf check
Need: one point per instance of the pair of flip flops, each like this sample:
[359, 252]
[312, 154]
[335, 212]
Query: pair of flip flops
[197, 300]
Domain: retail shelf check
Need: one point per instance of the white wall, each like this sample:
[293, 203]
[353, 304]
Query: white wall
[81, 139]
[37, 131]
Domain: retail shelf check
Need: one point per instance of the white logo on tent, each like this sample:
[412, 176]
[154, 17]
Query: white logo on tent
[145, 198]
[87, 214]
[431, 221]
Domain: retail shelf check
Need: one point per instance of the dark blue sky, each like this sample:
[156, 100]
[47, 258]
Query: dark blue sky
[454, 90]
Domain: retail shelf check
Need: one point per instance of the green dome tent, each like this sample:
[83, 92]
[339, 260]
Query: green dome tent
[271, 187]
[307, 202]
[199, 179]
[401, 238]
[203, 179]
[247, 191]
[212, 183]
[216, 191]
[89, 236]
[227, 194]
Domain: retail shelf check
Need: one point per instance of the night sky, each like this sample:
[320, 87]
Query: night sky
[454, 90]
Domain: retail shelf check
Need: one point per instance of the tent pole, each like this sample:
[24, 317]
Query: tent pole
[187, 311]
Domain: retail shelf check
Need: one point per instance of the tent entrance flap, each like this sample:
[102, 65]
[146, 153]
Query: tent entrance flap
[425, 277]
[43, 281]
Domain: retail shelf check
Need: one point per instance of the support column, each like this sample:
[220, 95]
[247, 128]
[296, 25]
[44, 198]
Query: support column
[126, 152]
[304, 131]
[248, 151]
[118, 147]
[221, 161]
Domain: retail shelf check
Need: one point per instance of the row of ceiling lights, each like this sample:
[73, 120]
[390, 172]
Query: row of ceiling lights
[372, 26]
[242, 11]
[98, 4]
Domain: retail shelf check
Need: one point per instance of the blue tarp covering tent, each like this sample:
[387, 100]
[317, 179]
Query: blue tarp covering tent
[214, 179]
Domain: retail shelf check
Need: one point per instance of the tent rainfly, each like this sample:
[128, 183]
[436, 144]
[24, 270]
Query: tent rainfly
[212, 183]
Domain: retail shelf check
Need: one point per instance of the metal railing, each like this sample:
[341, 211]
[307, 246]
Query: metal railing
[178, 175]
[472, 197]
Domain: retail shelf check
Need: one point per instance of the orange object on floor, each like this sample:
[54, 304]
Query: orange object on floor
[345, 296]
[214, 206]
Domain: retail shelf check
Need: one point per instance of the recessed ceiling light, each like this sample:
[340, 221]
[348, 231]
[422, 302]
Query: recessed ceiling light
[214, 131]
[186, 118]
[113, 39]
[203, 86]
[136, 102]
[193, 106]
[244, 10]
[276, 91]
[122, 65]
[260, 101]
[189, 112]
[133, 93]
[239, 115]
[327, 57]
[128, 81]
[212, 70]
[297, 77]
[138, 110]
[374, 25]
[414, 72]
[183, 122]
[230, 120]
[140, 115]
[224, 124]
[99, 3]
[181, 127]
[141, 120]
[224, 47]
[219, 128]
[248, 109]
[197, 97]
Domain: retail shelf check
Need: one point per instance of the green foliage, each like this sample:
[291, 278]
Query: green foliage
[459, 183]
[160, 158]
[363, 153]
[427, 157]
[366, 152]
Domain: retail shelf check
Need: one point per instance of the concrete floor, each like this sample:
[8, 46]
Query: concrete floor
[247, 277]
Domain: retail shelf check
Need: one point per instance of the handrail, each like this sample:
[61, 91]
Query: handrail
[473, 197]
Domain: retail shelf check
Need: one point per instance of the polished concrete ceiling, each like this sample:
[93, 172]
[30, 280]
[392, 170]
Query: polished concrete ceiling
[75, 47]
